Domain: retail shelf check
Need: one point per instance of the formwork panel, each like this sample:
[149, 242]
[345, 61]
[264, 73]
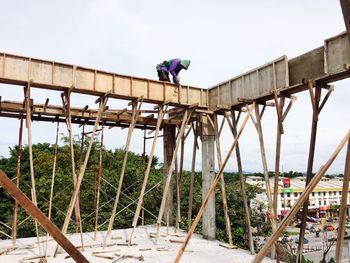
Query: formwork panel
[122, 85]
[139, 88]
[337, 53]
[16, 68]
[104, 82]
[63, 75]
[156, 90]
[84, 79]
[41, 72]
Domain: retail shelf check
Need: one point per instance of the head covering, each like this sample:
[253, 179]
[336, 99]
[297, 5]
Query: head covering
[185, 63]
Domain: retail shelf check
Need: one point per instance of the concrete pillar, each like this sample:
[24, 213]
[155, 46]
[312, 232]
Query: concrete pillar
[169, 145]
[208, 175]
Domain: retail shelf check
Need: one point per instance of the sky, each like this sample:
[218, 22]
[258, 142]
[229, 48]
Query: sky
[222, 38]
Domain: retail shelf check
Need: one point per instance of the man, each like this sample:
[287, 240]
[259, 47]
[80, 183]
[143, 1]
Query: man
[173, 66]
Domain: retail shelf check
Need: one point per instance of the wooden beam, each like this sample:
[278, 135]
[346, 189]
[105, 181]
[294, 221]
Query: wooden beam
[211, 189]
[222, 180]
[18, 176]
[343, 207]
[38, 216]
[302, 199]
[30, 149]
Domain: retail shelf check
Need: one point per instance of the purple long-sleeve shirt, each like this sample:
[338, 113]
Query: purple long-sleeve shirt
[174, 68]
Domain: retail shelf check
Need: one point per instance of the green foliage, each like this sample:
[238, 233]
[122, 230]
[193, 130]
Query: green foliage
[43, 157]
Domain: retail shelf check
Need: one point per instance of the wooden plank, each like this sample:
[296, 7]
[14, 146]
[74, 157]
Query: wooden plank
[33, 211]
[343, 207]
[211, 189]
[304, 196]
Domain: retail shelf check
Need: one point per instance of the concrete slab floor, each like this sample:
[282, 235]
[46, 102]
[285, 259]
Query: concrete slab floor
[162, 250]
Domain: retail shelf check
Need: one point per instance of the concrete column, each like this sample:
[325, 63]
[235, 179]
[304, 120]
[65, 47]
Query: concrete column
[169, 145]
[208, 175]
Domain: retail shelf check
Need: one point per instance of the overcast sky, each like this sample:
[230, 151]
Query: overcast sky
[222, 38]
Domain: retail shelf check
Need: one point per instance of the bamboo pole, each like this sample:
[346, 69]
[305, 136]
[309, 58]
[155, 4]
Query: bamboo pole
[343, 207]
[18, 175]
[211, 189]
[222, 180]
[136, 108]
[315, 104]
[266, 173]
[302, 199]
[178, 185]
[38, 216]
[185, 119]
[148, 170]
[67, 106]
[99, 175]
[52, 183]
[193, 172]
[74, 197]
[233, 128]
[280, 120]
[30, 148]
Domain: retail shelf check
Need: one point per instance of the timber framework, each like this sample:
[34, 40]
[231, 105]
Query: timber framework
[178, 111]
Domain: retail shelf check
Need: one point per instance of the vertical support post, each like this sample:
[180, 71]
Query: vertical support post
[193, 171]
[136, 108]
[30, 147]
[77, 186]
[99, 175]
[208, 175]
[242, 182]
[343, 207]
[52, 182]
[266, 174]
[211, 189]
[315, 104]
[67, 108]
[169, 146]
[279, 106]
[18, 176]
[148, 170]
[222, 181]
[179, 184]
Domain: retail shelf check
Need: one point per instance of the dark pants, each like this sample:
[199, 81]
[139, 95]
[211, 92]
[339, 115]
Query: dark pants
[163, 75]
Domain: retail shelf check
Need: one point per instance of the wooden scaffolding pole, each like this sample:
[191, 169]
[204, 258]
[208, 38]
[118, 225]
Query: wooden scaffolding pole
[52, 182]
[67, 111]
[186, 117]
[233, 127]
[102, 106]
[258, 127]
[222, 180]
[148, 170]
[315, 99]
[136, 107]
[279, 108]
[178, 185]
[34, 212]
[304, 196]
[343, 208]
[30, 148]
[18, 176]
[212, 188]
[193, 172]
[99, 175]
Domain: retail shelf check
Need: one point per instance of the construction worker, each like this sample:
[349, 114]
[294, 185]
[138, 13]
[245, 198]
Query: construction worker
[173, 66]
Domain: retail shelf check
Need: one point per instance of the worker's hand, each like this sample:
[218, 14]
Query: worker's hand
[177, 80]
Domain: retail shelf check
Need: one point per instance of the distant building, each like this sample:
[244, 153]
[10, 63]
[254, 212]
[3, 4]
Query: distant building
[324, 201]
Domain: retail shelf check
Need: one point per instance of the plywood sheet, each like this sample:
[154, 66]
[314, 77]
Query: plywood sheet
[104, 82]
[337, 53]
[16, 68]
[172, 93]
[156, 90]
[139, 88]
[122, 85]
[84, 79]
[41, 72]
[63, 75]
